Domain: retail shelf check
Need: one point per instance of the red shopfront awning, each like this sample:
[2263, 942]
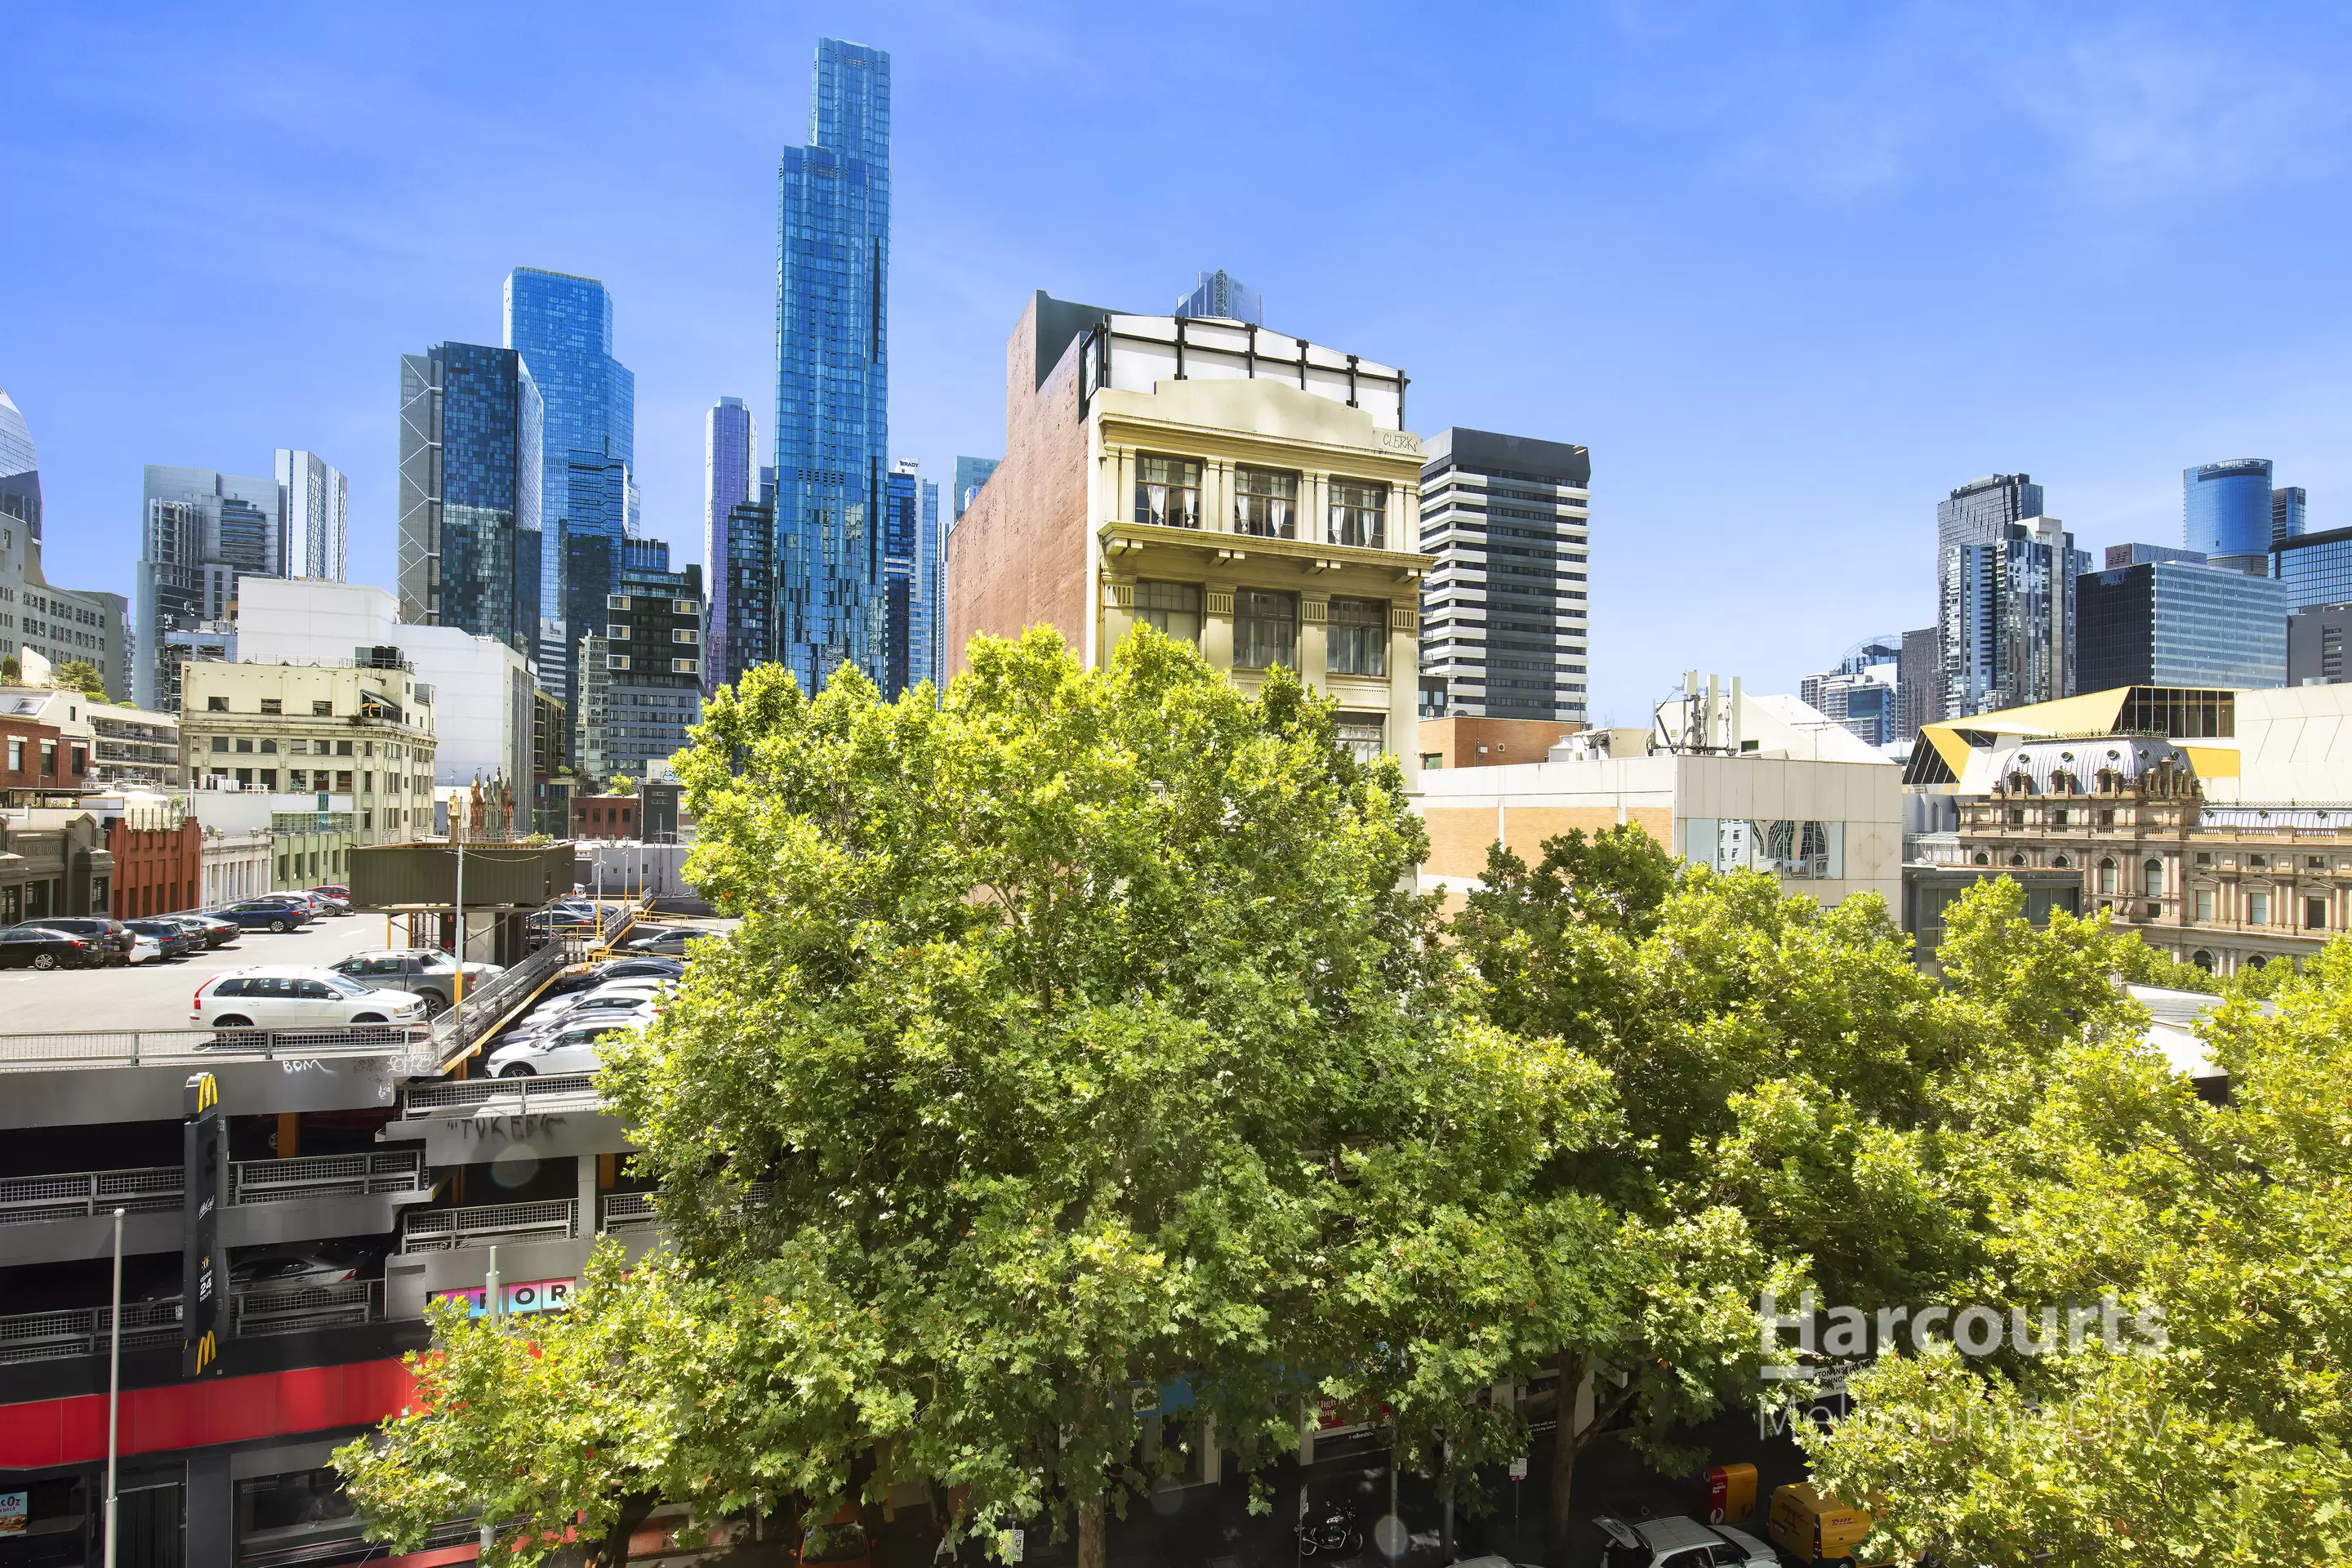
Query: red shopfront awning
[47, 1432]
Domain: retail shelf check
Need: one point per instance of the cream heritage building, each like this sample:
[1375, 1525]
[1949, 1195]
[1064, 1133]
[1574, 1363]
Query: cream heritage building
[1248, 491]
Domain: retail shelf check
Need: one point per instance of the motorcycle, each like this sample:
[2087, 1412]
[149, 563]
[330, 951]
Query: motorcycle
[1329, 1533]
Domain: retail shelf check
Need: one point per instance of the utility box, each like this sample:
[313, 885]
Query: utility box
[1730, 1493]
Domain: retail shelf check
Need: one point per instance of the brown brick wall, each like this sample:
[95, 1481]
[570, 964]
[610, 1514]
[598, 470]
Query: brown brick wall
[1019, 556]
[1456, 740]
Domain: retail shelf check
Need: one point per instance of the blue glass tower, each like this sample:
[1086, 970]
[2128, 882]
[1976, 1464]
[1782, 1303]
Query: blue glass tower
[562, 327]
[2226, 510]
[470, 541]
[833, 265]
[970, 473]
[911, 579]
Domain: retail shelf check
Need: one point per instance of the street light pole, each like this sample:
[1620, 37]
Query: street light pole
[114, 1384]
[459, 987]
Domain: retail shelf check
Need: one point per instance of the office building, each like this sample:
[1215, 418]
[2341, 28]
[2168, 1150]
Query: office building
[2005, 584]
[313, 502]
[1919, 682]
[727, 440]
[2314, 644]
[561, 325]
[2122, 555]
[2180, 623]
[470, 475]
[641, 667]
[832, 436]
[1504, 612]
[747, 558]
[1220, 295]
[2315, 567]
[1262, 505]
[20, 468]
[202, 532]
[2225, 509]
[911, 579]
[2288, 507]
[970, 473]
[1776, 789]
[1861, 693]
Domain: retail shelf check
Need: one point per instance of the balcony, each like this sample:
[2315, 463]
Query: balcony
[254, 1311]
[446, 1230]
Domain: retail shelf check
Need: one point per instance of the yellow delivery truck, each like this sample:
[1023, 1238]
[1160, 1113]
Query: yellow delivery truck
[1817, 1530]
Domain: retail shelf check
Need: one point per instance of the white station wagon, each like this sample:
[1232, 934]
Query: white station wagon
[298, 997]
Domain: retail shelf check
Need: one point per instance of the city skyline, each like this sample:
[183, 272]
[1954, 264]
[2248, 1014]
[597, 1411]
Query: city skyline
[1737, 282]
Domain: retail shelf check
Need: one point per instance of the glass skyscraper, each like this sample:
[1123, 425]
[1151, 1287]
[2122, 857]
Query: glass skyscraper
[1222, 295]
[970, 473]
[2287, 504]
[314, 500]
[20, 468]
[910, 580]
[2315, 567]
[726, 442]
[2225, 509]
[833, 265]
[744, 633]
[562, 327]
[2179, 622]
[470, 478]
[2005, 593]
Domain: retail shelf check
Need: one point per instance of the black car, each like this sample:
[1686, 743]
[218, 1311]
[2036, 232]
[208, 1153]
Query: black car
[111, 935]
[654, 966]
[661, 940]
[175, 939]
[210, 930]
[41, 947]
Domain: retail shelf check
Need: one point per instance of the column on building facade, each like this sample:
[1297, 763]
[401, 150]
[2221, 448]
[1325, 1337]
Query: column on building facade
[1315, 641]
[1404, 677]
[1217, 494]
[1116, 615]
[1313, 506]
[1217, 625]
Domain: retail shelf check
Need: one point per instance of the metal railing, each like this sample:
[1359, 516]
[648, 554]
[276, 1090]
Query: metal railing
[444, 1230]
[455, 1032]
[506, 1096]
[199, 1047]
[377, 1172]
[87, 1331]
[291, 1309]
[80, 1195]
[627, 1211]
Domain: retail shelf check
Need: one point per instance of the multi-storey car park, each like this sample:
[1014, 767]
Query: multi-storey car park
[368, 1152]
[1505, 612]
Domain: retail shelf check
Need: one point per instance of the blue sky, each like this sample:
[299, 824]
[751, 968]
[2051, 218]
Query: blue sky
[1791, 271]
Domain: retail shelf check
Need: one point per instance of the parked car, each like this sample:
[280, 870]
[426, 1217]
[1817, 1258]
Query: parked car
[338, 897]
[572, 1048]
[40, 947]
[210, 930]
[664, 940]
[639, 966]
[427, 971]
[319, 904]
[321, 1263]
[1680, 1542]
[145, 949]
[292, 997]
[113, 935]
[176, 940]
[265, 914]
[617, 997]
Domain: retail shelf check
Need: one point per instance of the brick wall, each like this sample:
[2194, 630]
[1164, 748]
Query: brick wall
[1468, 743]
[1019, 556]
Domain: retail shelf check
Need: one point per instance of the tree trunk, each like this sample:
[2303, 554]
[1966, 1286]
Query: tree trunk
[1093, 1535]
[1557, 1532]
[614, 1550]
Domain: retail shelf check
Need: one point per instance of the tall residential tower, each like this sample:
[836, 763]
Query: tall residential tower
[831, 435]
[561, 325]
[201, 531]
[1505, 613]
[726, 442]
[2006, 580]
[314, 501]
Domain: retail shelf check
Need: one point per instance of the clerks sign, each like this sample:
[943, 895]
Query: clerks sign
[530, 1296]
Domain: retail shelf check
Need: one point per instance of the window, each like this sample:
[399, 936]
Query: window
[2016, 817]
[618, 631]
[685, 606]
[216, 704]
[1360, 513]
[2258, 861]
[272, 705]
[270, 746]
[2204, 903]
[2258, 909]
[49, 758]
[2106, 876]
[1266, 503]
[342, 748]
[2151, 881]
[2058, 817]
[1358, 636]
[616, 661]
[1364, 735]
[2204, 857]
[686, 666]
[322, 710]
[1175, 608]
[15, 756]
[616, 601]
[269, 778]
[685, 635]
[2203, 959]
[344, 784]
[2106, 819]
[1266, 629]
[2314, 862]
[1168, 493]
[2314, 914]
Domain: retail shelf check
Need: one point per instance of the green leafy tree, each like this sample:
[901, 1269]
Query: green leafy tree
[1078, 1038]
[80, 675]
[12, 668]
[2229, 1227]
[620, 783]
